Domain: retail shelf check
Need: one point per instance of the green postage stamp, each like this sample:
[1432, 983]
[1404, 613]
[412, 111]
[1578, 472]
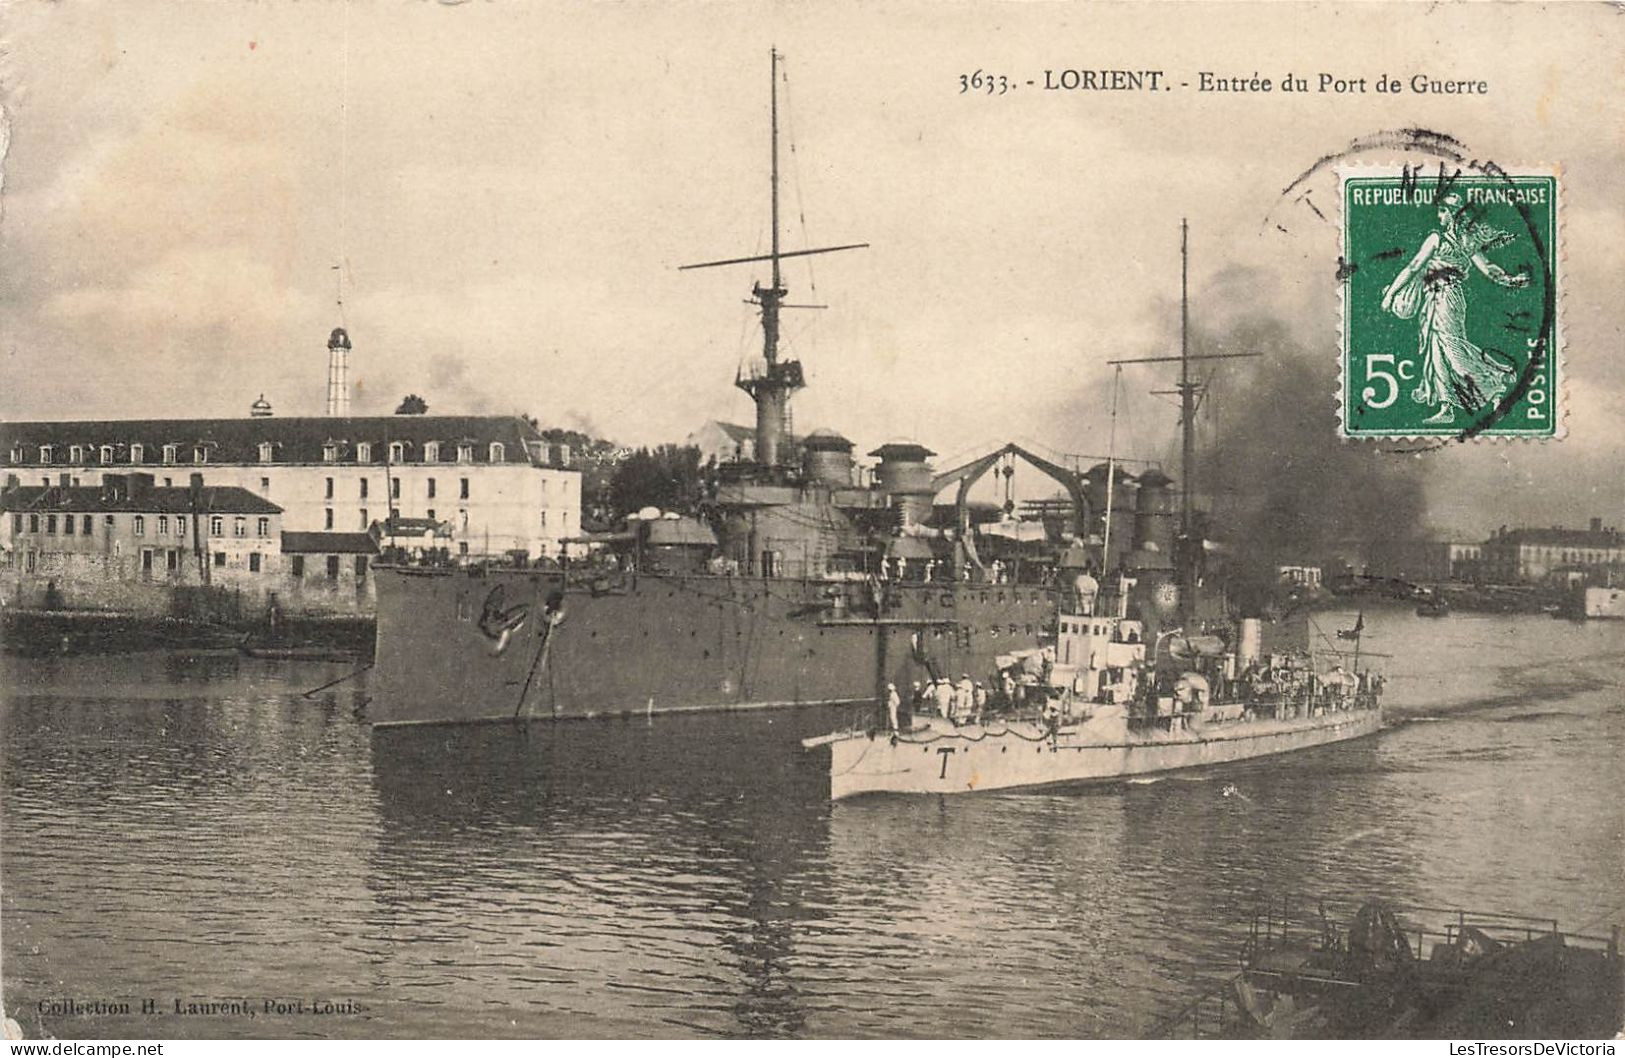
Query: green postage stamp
[1450, 298]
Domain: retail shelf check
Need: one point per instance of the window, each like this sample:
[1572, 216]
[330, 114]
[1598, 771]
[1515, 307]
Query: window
[138, 525]
[465, 453]
[68, 524]
[431, 488]
[327, 520]
[180, 525]
[44, 453]
[76, 453]
[16, 523]
[200, 454]
[394, 488]
[363, 488]
[394, 513]
[544, 519]
[253, 562]
[329, 488]
[217, 526]
[107, 455]
[172, 560]
[262, 526]
[108, 521]
[163, 525]
[330, 454]
[138, 453]
[298, 565]
[361, 567]
[220, 558]
[168, 482]
[544, 486]
[462, 488]
[431, 451]
[497, 452]
[169, 453]
[462, 547]
[239, 526]
[332, 567]
[265, 485]
[397, 452]
[146, 561]
[16, 453]
[365, 522]
[429, 514]
[363, 452]
[267, 452]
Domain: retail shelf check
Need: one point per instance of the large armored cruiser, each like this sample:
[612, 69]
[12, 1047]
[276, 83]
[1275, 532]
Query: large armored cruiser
[802, 585]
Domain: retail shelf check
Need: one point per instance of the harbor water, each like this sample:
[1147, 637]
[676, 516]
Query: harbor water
[193, 848]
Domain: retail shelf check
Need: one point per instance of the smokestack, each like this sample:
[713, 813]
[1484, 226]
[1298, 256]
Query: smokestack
[338, 372]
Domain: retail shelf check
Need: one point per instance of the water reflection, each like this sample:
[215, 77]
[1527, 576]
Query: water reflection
[199, 828]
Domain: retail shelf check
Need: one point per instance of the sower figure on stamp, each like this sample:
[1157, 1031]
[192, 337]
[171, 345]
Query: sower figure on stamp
[1455, 373]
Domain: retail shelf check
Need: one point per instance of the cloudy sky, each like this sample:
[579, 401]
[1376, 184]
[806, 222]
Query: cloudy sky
[510, 190]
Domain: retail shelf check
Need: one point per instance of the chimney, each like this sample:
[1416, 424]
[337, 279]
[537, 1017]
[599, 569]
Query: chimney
[1596, 525]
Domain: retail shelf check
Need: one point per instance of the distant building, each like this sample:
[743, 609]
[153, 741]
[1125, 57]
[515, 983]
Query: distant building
[1426, 560]
[493, 479]
[120, 543]
[1530, 555]
[1299, 576]
[729, 442]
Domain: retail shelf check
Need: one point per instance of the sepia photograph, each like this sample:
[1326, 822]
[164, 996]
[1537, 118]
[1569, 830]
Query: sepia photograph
[819, 521]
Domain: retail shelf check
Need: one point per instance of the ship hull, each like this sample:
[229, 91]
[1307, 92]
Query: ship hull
[635, 644]
[943, 759]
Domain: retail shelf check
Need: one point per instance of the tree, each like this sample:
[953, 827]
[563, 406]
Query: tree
[413, 405]
[668, 477]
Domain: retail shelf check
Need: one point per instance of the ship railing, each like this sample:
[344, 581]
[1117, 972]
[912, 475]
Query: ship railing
[1216, 1014]
[1286, 924]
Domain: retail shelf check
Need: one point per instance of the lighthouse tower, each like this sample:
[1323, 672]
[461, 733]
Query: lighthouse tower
[338, 372]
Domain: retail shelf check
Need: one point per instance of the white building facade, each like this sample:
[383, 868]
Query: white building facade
[494, 481]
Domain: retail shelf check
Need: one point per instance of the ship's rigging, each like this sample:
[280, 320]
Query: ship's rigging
[771, 386]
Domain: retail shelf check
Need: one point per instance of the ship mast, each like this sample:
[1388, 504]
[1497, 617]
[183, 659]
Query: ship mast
[1189, 391]
[771, 385]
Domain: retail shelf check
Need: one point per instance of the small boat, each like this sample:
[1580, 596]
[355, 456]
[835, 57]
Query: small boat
[1094, 706]
[1412, 973]
[1433, 606]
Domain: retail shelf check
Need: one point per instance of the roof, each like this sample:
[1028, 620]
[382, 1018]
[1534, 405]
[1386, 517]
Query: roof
[680, 532]
[294, 439]
[1560, 537]
[306, 543]
[826, 440]
[737, 433]
[903, 450]
[216, 499]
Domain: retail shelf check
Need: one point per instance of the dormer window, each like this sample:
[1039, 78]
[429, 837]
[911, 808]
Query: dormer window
[76, 454]
[497, 452]
[107, 455]
[465, 453]
[431, 451]
[170, 455]
[397, 452]
[200, 454]
[16, 453]
[138, 453]
[330, 453]
[267, 451]
[363, 452]
[44, 453]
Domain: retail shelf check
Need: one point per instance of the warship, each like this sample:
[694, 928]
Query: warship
[798, 586]
[1175, 683]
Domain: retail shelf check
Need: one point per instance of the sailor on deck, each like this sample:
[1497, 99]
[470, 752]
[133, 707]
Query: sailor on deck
[964, 697]
[893, 702]
[943, 690]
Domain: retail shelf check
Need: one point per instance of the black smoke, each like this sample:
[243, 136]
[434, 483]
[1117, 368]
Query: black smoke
[1282, 486]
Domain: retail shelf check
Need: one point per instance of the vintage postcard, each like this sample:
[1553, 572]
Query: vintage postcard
[811, 521]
